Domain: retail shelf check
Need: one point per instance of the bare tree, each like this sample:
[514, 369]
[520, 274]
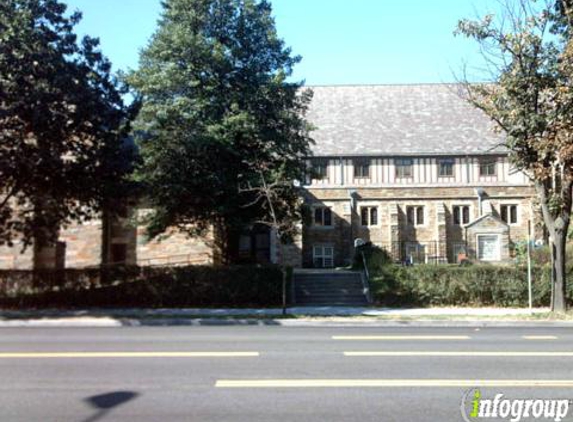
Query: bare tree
[528, 49]
[282, 213]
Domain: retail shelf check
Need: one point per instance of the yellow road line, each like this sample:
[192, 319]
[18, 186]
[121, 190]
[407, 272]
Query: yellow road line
[66, 355]
[468, 354]
[381, 383]
[401, 337]
[540, 337]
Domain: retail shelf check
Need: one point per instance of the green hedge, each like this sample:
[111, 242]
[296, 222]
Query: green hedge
[448, 285]
[195, 286]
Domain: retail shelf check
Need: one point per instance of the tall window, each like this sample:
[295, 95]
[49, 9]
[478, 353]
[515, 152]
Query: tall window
[361, 168]
[369, 216]
[446, 167]
[323, 256]
[487, 167]
[323, 217]
[320, 169]
[415, 215]
[403, 168]
[461, 214]
[509, 213]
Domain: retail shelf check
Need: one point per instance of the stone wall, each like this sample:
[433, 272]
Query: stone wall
[438, 228]
[172, 247]
[12, 258]
[83, 244]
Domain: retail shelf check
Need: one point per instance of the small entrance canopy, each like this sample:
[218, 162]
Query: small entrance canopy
[488, 239]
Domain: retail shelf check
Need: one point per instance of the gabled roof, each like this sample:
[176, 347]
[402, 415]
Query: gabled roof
[431, 119]
[488, 216]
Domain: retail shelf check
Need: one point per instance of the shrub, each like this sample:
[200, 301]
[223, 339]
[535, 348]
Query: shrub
[477, 285]
[199, 286]
[377, 258]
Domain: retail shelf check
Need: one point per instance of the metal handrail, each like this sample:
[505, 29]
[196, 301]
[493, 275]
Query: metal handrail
[366, 279]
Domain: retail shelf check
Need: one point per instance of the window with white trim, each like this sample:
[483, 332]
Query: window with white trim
[403, 168]
[509, 213]
[461, 214]
[415, 215]
[446, 167]
[487, 167]
[323, 256]
[323, 217]
[361, 168]
[369, 216]
[320, 169]
[488, 247]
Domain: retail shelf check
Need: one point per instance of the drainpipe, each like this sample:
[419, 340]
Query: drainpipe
[353, 194]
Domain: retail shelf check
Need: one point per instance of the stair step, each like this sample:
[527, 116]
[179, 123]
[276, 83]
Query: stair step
[329, 289]
[321, 290]
[326, 283]
[331, 303]
[329, 283]
[357, 277]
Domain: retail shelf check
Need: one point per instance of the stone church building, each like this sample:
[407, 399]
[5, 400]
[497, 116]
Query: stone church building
[414, 169]
[411, 168]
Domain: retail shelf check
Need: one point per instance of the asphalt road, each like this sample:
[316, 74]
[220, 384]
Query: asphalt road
[266, 373]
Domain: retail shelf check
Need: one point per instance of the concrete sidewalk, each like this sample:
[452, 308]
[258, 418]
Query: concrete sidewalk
[296, 316]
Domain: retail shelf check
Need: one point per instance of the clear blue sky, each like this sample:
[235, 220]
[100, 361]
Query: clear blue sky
[341, 41]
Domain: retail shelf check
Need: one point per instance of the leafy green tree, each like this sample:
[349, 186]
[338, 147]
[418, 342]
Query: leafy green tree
[217, 112]
[62, 123]
[529, 50]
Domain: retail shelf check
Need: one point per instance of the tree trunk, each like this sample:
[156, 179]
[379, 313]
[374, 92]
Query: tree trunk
[557, 227]
[557, 245]
[284, 273]
[221, 234]
[284, 289]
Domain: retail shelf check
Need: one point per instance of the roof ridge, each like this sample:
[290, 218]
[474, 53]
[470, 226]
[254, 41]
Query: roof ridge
[350, 85]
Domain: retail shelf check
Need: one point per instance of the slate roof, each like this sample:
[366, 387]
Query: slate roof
[431, 119]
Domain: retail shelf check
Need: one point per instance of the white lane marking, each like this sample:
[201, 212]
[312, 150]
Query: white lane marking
[66, 355]
[380, 383]
[383, 338]
[463, 353]
[539, 337]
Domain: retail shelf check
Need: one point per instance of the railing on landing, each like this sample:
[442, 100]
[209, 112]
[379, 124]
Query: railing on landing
[365, 276]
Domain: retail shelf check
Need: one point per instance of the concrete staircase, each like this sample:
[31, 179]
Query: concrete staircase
[328, 288]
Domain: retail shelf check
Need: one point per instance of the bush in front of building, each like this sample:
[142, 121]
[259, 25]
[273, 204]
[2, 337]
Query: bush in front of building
[376, 257]
[193, 286]
[449, 285]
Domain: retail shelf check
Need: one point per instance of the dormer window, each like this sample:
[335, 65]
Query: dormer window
[320, 169]
[403, 168]
[487, 167]
[446, 167]
[361, 168]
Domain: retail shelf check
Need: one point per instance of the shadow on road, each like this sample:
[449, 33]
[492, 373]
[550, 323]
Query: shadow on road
[104, 403]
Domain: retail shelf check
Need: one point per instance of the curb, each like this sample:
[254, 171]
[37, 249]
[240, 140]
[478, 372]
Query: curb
[106, 322]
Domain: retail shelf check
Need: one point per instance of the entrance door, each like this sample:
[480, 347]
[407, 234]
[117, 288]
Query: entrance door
[488, 247]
